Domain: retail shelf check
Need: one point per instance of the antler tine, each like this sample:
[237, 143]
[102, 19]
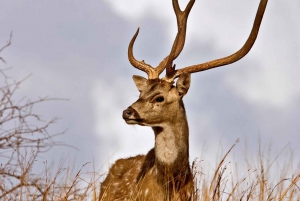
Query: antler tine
[182, 17]
[141, 65]
[179, 41]
[229, 59]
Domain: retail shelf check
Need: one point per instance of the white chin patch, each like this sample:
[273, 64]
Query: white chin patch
[165, 148]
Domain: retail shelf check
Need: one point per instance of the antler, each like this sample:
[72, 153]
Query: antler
[177, 47]
[179, 41]
[153, 73]
[229, 59]
[182, 16]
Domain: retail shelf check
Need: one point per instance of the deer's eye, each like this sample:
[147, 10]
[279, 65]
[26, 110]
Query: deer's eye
[160, 99]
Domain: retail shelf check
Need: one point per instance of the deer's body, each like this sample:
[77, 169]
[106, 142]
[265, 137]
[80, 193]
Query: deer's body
[138, 178]
[164, 173]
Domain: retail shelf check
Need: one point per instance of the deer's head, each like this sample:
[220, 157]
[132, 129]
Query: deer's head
[159, 99]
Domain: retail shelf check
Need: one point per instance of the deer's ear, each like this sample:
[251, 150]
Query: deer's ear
[183, 84]
[140, 82]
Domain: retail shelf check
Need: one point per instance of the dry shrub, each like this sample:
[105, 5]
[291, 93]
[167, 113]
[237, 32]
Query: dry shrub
[24, 136]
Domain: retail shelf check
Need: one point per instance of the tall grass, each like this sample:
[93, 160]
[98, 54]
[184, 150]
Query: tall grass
[64, 183]
[263, 179]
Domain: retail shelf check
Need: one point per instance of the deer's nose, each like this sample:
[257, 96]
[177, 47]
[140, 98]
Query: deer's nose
[127, 113]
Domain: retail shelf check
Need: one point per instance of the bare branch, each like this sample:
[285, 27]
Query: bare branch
[5, 46]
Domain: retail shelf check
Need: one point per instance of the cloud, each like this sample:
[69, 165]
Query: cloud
[135, 9]
[264, 87]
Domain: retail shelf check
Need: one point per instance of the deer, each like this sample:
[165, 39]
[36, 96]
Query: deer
[164, 173]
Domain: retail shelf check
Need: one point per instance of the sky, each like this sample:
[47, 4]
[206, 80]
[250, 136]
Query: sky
[77, 50]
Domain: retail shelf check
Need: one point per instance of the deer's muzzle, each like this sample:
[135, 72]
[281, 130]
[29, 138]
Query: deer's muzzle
[131, 116]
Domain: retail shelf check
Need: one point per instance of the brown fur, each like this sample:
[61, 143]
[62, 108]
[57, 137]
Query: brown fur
[164, 173]
[139, 178]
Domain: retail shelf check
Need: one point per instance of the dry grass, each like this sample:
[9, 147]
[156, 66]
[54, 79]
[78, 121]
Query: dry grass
[64, 184]
[24, 136]
[261, 181]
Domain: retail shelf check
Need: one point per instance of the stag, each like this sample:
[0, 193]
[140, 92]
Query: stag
[164, 173]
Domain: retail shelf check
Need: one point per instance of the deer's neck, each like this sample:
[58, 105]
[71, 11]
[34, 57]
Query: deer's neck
[171, 143]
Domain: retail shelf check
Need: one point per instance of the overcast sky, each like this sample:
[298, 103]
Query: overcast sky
[78, 50]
